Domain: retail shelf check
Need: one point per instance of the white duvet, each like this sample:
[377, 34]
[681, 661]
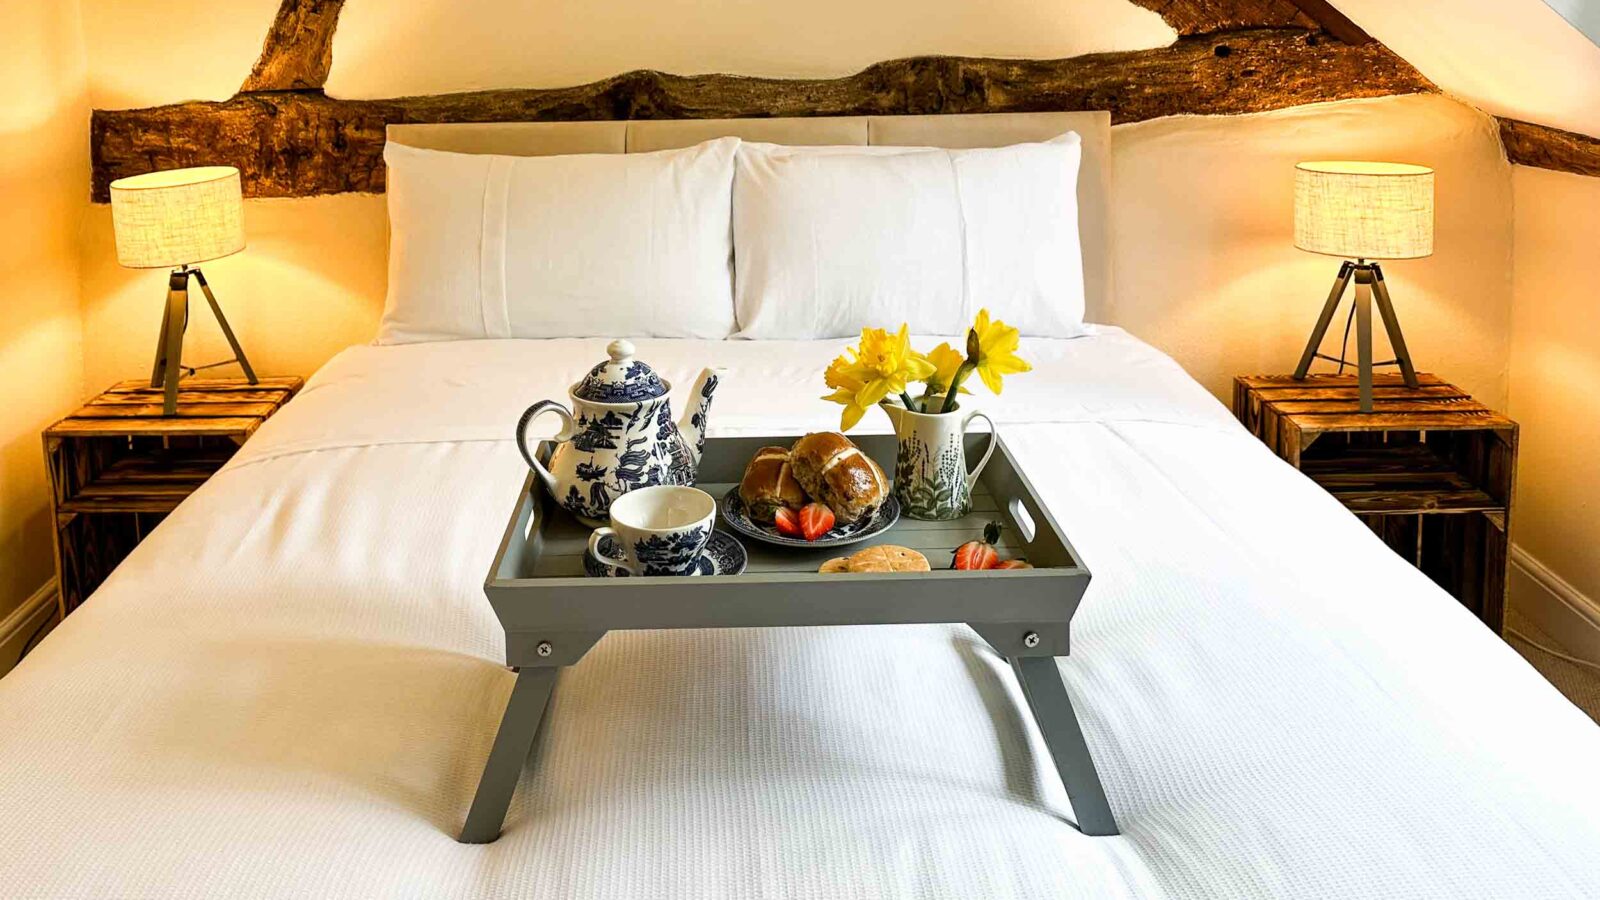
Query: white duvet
[291, 687]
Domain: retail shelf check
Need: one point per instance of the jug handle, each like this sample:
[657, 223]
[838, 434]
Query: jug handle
[994, 435]
[568, 429]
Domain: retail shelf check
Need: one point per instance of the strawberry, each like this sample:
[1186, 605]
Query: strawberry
[787, 522]
[979, 554]
[1015, 564]
[816, 520]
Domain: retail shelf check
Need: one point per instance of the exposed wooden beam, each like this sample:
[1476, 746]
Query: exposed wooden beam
[1192, 17]
[1334, 22]
[292, 144]
[298, 52]
[1544, 147]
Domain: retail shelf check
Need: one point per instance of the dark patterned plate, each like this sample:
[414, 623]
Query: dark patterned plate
[724, 555]
[734, 514]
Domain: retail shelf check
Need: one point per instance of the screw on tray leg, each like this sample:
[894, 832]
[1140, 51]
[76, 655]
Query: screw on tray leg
[1031, 639]
[545, 648]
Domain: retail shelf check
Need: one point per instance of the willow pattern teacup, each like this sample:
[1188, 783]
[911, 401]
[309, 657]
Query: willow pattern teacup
[662, 530]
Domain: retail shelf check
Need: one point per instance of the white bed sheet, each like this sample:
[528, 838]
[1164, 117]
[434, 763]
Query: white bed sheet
[290, 688]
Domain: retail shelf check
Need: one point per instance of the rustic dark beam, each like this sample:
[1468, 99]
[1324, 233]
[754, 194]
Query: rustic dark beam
[1334, 22]
[299, 49]
[295, 144]
[1544, 147]
[1192, 17]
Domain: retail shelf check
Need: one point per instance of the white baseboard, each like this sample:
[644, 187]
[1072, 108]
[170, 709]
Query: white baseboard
[1554, 605]
[16, 628]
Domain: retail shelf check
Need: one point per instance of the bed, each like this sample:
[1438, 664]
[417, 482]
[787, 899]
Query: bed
[290, 688]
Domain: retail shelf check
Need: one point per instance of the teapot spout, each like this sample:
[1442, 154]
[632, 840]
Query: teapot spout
[698, 406]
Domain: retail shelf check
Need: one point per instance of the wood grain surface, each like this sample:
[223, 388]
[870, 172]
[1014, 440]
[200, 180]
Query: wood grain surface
[1431, 471]
[1544, 147]
[296, 144]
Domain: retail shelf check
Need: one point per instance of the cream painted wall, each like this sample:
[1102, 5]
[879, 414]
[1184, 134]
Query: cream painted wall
[473, 44]
[146, 53]
[149, 53]
[1555, 364]
[44, 180]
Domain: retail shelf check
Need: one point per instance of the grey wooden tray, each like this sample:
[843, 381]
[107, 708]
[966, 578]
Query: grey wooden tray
[552, 614]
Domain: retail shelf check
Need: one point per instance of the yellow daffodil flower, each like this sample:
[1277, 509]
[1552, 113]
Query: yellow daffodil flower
[992, 347]
[845, 377]
[882, 365]
[888, 364]
[946, 362]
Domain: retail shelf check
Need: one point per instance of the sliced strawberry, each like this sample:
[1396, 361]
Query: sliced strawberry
[1015, 564]
[816, 520]
[787, 522]
[974, 555]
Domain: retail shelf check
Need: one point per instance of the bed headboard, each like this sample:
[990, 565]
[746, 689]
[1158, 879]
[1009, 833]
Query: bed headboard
[954, 132]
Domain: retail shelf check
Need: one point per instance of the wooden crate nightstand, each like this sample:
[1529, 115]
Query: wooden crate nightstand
[117, 466]
[1430, 470]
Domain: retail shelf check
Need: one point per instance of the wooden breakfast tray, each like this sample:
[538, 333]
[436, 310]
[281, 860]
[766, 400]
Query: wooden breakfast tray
[552, 614]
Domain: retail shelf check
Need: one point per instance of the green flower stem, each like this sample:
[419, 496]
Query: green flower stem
[910, 404]
[966, 369]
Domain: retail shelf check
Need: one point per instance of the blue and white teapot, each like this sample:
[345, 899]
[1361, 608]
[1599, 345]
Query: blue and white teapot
[619, 435]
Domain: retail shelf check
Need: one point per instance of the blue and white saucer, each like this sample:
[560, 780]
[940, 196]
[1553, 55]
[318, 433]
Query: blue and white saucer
[881, 520]
[724, 555]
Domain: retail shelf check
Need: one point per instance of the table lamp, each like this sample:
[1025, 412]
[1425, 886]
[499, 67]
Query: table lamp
[176, 220]
[1362, 211]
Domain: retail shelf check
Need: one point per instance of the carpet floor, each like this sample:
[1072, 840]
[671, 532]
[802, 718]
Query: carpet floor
[1580, 684]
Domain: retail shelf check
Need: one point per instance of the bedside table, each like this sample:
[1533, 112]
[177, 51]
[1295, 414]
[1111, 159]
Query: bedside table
[117, 466]
[1430, 470]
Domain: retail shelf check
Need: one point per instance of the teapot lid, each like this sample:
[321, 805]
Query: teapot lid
[620, 379]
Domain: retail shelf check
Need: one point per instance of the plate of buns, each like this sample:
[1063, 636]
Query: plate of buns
[788, 495]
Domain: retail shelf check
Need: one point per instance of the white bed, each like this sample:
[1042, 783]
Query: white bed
[290, 688]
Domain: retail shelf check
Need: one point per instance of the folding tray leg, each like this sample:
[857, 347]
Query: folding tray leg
[523, 713]
[1052, 709]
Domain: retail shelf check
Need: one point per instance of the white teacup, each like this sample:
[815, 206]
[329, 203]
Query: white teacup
[662, 530]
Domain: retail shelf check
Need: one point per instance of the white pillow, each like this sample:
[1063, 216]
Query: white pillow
[828, 240]
[591, 245]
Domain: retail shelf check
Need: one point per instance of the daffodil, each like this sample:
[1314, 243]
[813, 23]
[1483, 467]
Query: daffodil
[845, 377]
[883, 364]
[992, 353]
[946, 362]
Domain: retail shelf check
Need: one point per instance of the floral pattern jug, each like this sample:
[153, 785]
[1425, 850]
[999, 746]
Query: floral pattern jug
[619, 435]
[931, 480]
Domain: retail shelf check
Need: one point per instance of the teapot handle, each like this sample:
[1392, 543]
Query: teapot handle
[568, 429]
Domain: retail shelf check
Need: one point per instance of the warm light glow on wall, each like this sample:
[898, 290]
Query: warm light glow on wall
[1364, 210]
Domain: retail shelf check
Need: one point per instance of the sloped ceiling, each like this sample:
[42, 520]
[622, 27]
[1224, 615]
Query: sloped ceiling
[1513, 58]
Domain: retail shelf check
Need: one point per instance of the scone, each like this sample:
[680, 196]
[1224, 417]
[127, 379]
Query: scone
[835, 472]
[769, 485]
[887, 558]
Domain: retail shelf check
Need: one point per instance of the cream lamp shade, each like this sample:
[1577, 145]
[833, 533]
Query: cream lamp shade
[179, 217]
[1364, 210]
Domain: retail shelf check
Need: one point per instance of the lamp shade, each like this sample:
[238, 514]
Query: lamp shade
[178, 217]
[1364, 210]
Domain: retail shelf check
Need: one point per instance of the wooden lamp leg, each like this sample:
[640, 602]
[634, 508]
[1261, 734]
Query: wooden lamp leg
[169, 344]
[1364, 335]
[1391, 323]
[227, 332]
[1321, 329]
[169, 349]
